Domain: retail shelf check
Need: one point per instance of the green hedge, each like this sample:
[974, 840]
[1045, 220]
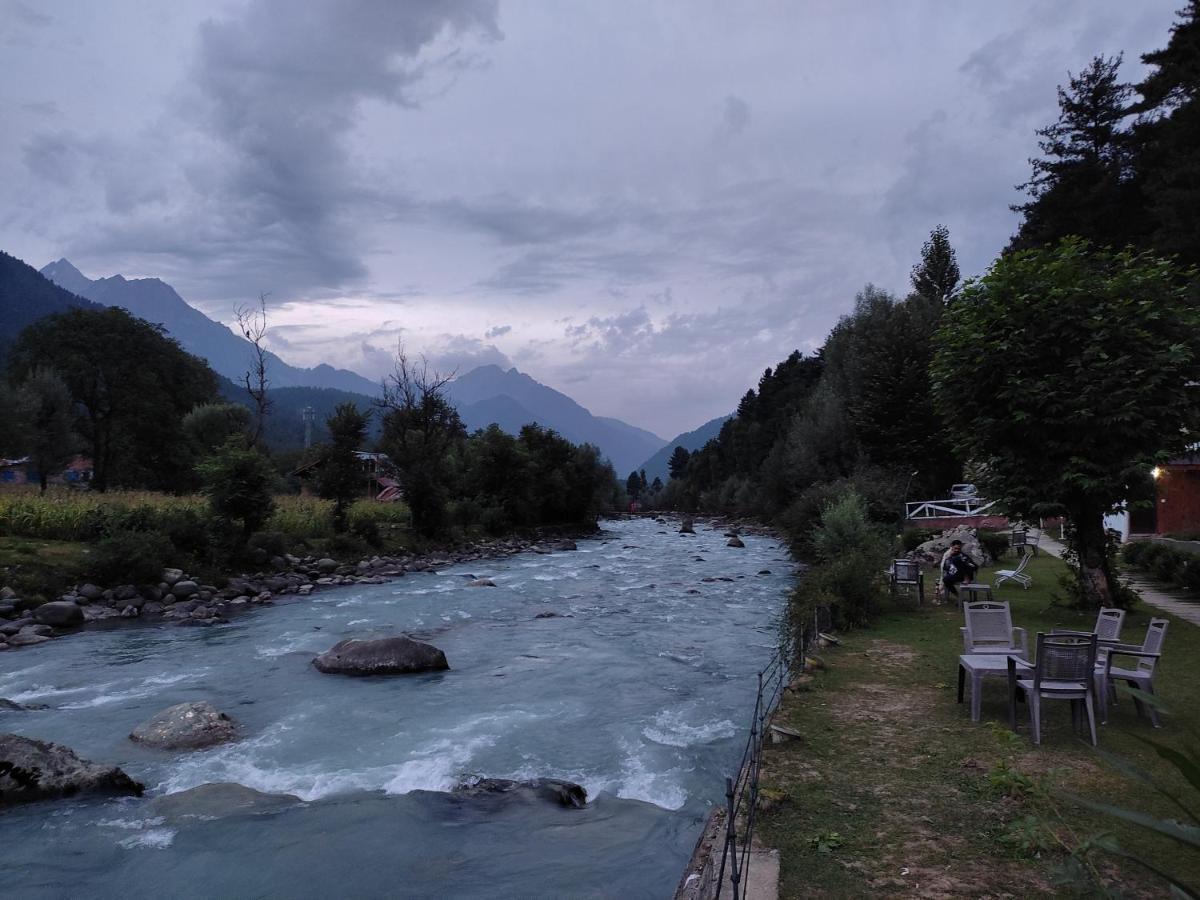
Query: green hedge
[1163, 562]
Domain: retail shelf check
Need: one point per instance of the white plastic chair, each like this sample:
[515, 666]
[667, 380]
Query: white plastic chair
[989, 629]
[1018, 574]
[1141, 676]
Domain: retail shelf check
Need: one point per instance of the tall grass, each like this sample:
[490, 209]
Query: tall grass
[68, 515]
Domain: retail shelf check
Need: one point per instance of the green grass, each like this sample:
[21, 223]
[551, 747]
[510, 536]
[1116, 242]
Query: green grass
[926, 802]
[38, 569]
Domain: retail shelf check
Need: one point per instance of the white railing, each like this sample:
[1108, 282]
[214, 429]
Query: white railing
[947, 509]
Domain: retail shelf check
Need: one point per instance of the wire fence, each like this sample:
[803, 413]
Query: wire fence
[741, 790]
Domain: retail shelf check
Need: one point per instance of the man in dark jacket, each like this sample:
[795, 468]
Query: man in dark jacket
[957, 568]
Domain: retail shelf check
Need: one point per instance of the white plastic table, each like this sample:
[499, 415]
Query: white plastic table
[979, 666]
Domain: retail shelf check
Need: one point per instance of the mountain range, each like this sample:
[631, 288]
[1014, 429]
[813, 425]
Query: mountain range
[485, 395]
[229, 354]
[657, 465]
[510, 399]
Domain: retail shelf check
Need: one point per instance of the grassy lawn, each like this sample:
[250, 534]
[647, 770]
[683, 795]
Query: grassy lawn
[893, 790]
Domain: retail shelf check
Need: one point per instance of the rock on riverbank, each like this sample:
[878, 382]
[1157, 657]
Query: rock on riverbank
[39, 770]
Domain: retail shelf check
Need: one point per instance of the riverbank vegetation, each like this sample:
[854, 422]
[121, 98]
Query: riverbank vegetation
[893, 790]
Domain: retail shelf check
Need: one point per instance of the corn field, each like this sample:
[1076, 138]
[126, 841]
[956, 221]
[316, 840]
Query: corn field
[68, 515]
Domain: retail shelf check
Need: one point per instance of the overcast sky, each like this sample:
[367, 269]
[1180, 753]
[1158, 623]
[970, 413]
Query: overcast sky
[642, 204]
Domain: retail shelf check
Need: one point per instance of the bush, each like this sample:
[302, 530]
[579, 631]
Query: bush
[131, 557]
[912, 538]
[1174, 566]
[272, 543]
[368, 532]
[852, 554]
[995, 543]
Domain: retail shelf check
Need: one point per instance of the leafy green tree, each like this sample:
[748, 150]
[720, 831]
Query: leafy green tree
[239, 483]
[1167, 140]
[1068, 373]
[677, 464]
[209, 425]
[423, 435]
[14, 436]
[340, 476]
[131, 385]
[50, 412]
[656, 486]
[936, 275]
[1081, 185]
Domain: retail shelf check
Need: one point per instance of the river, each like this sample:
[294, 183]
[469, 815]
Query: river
[640, 690]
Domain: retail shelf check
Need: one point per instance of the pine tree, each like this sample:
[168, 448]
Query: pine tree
[936, 275]
[1167, 140]
[1081, 184]
[341, 476]
[678, 463]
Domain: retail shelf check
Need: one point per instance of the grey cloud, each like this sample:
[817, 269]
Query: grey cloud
[41, 108]
[735, 116]
[267, 196]
[497, 331]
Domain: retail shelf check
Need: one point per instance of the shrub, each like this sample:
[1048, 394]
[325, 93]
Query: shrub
[272, 543]
[367, 531]
[995, 543]
[852, 554]
[131, 557]
[239, 483]
[912, 538]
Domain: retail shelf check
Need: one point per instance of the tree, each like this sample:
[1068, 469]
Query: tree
[252, 323]
[633, 486]
[936, 275]
[209, 425]
[422, 433]
[131, 386]
[49, 414]
[656, 486]
[1068, 373]
[340, 475]
[1167, 140]
[677, 464]
[1081, 183]
[239, 483]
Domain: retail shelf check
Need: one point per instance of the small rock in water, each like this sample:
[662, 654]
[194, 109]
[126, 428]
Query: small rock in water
[186, 726]
[735, 541]
[217, 800]
[565, 793]
[764, 571]
[481, 582]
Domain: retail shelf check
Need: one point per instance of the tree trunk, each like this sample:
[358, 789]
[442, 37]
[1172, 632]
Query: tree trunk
[42, 479]
[1095, 572]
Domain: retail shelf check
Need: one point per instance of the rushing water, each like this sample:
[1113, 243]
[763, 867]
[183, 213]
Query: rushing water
[641, 691]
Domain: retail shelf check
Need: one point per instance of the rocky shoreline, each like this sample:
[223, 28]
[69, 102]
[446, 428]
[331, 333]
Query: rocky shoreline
[185, 601]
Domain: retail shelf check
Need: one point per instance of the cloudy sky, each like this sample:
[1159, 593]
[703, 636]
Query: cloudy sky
[640, 204]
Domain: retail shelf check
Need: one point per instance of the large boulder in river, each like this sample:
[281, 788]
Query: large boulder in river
[735, 541]
[59, 613]
[381, 656]
[186, 726]
[564, 793]
[215, 801]
[39, 770]
[686, 527]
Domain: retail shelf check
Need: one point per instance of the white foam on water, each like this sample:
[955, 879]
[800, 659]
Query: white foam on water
[671, 730]
[154, 839]
[144, 687]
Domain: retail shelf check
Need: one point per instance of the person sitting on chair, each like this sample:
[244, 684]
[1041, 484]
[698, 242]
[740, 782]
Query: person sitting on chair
[957, 568]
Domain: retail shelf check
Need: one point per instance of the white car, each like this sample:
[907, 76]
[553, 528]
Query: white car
[963, 491]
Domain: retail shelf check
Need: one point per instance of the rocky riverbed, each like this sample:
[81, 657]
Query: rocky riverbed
[184, 600]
